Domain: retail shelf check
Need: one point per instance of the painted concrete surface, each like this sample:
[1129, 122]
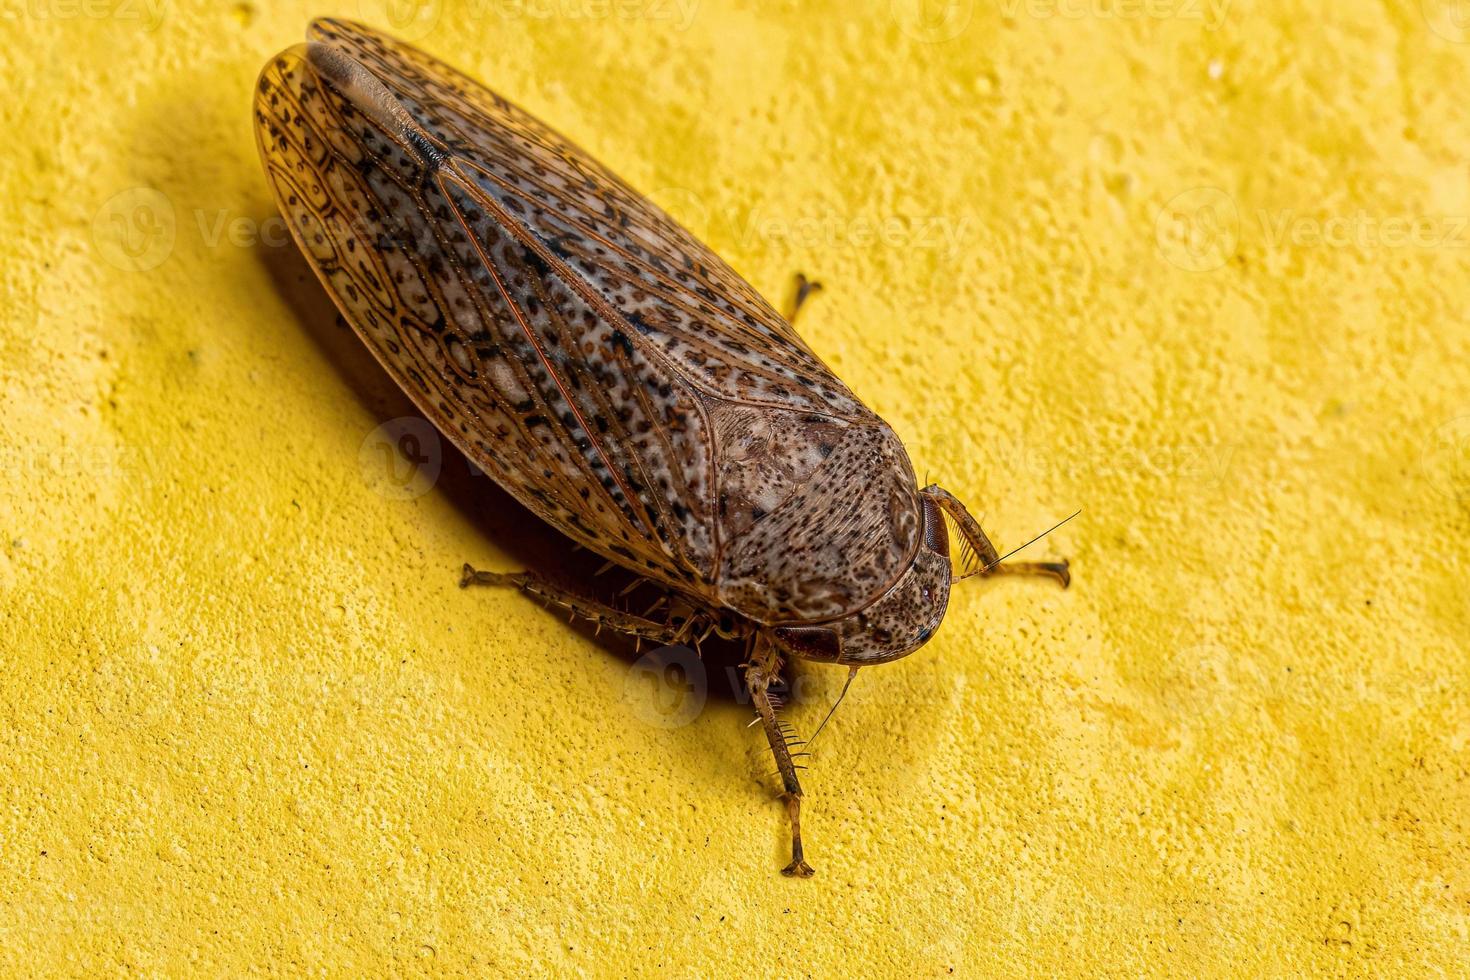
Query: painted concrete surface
[1199, 269]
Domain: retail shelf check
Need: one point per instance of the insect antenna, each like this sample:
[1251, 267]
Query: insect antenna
[851, 673]
[1031, 542]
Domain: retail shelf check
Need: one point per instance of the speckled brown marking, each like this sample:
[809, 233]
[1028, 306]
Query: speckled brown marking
[607, 369]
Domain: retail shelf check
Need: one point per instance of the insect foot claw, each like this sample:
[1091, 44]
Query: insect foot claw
[470, 576]
[1063, 576]
[798, 868]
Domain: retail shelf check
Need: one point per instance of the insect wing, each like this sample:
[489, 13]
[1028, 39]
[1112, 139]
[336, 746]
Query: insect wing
[566, 333]
[716, 328]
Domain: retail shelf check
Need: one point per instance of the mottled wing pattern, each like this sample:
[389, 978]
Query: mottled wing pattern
[534, 382]
[592, 356]
[717, 330]
[556, 325]
[668, 284]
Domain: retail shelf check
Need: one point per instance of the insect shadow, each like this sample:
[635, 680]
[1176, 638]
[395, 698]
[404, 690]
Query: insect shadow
[529, 542]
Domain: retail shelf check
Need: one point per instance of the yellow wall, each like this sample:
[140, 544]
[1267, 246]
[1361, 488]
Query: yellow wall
[1198, 267]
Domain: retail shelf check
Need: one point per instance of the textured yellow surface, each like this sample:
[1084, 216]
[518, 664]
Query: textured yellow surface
[1200, 268]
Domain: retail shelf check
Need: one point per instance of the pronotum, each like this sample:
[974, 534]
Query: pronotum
[608, 370]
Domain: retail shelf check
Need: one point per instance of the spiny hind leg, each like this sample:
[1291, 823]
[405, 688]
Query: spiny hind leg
[764, 667]
[988, 559]
[580, 606]
[1053, 569]
[804, 289]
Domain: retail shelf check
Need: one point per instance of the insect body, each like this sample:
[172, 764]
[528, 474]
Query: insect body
[607, 369]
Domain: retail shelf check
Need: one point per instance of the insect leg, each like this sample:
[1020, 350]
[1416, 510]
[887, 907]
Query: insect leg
[589, 609]
[987, 559]
[764, 666]
[804, 288]
[1055, 569]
